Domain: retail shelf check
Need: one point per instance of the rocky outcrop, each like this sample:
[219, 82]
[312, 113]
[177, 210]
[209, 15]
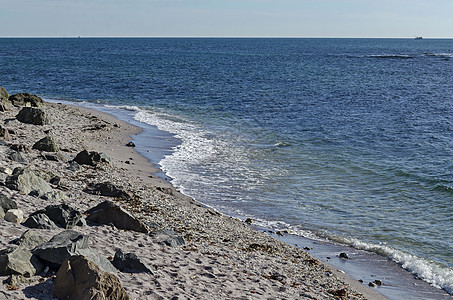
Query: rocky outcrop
[32, 115]
[80, 279]
[61, 214]
[25, 180]
[26, 99]
[107, 189]
[18, 261]
[66, 244]
[108, 212]
[92, 158]
[47, 144]
[129, 262]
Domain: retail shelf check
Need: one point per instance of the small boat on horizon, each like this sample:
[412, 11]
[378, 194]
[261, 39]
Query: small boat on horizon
[419, 38]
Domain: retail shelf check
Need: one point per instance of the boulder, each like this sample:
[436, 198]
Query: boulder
[17, 157]
[7, 203]
[30, 239]
[61, 214]
[25, 180]
[26, 99]
[47, 144]
[80, 279]
[66, 244]
[129, 262]
[108, 212]
[32, 115]
[92, 158]
[107, 189]
[130, 144]
[14, 216]
[20, 148]
[4, 102]
[40, 221]
[18, 261]
[3, 94]
[168, 237]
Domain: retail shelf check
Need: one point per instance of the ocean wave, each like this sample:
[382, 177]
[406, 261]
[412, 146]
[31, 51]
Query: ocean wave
[392, 56]
[441, 55]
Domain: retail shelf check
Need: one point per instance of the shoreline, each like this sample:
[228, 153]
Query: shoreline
[221, 257]
[363, 265]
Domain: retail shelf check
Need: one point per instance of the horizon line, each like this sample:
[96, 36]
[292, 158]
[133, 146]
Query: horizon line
[226, 37]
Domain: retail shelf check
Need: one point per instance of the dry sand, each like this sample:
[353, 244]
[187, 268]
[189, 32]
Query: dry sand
[223, 258]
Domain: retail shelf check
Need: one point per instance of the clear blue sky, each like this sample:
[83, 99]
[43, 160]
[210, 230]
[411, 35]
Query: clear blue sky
[279, 18]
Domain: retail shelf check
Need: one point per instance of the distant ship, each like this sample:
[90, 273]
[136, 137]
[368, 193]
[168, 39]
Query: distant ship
[419, 38]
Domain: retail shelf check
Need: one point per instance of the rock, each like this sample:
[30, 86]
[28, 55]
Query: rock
[26, 99]
[7, 203]
[74, 166]
[92, 158]
[14, 216]
[17, 157]
[20, 148]
[30, 239]
[372, 284]
[80, 279]
[107, 189]
[31, 115]
[18, 261]
[67, 243]
[344, 255]
[130, 144]
[248, 221]
[129, 262]
[108, 212]
[62, 214]
[2, 213]
[40, 221]
[168, 237]
[47, 144]
[4, 133]
[3, 94]
[25, 180]
[6, 170]
[15, 280]
[378, 282]
[5, 105]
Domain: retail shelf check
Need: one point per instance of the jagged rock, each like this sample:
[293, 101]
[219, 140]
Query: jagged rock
[6, 170]
[14, 216]
[7, 203]
[26, 99]
[31, 115]
[25, 180]
[3, 94]
[18, 261]
[107, 189]
[17, 157]
[129, 262]
[47, 144]
[92, 158]
[80, 279]
[4, 133]
[168, 237]
[4, 102]
[108, 212]
[130, 144]
[30, 239]
[20, 148]
[62, 214]
[40, 221]
[67, 243]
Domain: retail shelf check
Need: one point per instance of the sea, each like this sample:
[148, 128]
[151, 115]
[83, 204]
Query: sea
[341, 140]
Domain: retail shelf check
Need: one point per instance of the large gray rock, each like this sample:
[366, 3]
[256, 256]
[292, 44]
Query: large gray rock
[92, 158]
[129, 262]
[47, 144]
[25, 180]
[61, 214]
[80, 279]
[17, 157]
[168, 237]
[66, 244]
[40, 221]
[7, 203]
[26, 99]
[14, 216]
[107, 189]
[108, 212]
[30, 239]
[32, 115]
[18, 261]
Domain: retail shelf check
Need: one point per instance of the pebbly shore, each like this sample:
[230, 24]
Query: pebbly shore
[76, 197]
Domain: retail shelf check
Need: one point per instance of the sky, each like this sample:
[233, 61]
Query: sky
[226, 18]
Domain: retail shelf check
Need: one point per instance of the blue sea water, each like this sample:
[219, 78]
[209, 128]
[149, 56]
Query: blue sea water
[349, 140]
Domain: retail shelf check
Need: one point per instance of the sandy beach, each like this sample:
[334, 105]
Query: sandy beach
[222, 257]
